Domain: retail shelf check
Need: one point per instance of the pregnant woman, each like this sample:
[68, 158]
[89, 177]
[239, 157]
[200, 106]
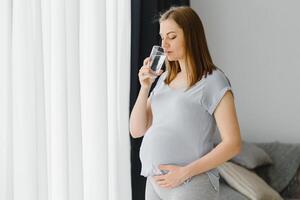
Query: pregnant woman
[191, 102]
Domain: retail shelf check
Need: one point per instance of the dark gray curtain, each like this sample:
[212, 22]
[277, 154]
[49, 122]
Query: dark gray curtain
[144, 34]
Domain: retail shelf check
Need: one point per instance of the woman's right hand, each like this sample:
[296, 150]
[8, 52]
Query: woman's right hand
[146, 75]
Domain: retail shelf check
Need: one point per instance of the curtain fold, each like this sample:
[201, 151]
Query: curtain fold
[64, 100]
[118, 54]
[5, 100]
[94, 108]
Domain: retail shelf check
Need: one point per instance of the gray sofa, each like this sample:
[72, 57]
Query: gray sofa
[283, 174]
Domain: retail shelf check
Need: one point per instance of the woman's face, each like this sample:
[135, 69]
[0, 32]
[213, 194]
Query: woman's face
[172, 39]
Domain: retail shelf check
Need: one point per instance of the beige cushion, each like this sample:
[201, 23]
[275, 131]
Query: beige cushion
[247, 182]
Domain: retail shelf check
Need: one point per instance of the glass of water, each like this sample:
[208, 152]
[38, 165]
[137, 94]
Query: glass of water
[157, 58]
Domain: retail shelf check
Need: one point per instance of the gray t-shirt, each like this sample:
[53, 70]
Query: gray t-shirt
[183, 125]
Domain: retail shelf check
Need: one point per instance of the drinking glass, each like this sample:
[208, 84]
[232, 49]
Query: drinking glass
[157, 58]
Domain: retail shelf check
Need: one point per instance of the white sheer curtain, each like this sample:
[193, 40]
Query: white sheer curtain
[64, 99]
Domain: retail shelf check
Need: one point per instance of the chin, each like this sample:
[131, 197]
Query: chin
[170, 58]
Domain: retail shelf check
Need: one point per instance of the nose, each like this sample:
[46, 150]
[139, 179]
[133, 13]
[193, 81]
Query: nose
[164, 44]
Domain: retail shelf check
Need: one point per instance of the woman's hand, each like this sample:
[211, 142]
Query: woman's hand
[176, 176]
[147, 75]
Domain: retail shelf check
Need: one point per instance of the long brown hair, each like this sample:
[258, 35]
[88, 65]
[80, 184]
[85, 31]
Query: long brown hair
[199, 62]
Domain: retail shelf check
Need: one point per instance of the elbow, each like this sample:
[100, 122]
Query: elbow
[234, 147]
[137, 130]
[238, 148]
[136, 133]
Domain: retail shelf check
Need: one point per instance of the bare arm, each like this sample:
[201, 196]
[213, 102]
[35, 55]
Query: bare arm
[227, 122]
[141, 115]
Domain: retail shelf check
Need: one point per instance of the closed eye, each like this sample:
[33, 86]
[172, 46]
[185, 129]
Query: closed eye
[171, 36]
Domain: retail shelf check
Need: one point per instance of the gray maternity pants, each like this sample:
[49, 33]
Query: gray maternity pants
[199, 188]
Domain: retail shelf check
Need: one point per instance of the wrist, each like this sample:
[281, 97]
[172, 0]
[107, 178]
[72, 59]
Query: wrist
[187, 172]
[145, 89]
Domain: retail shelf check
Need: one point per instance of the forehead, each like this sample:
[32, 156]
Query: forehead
[169, 25]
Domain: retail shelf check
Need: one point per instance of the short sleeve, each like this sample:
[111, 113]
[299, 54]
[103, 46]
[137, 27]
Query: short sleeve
[217, 84]
[158, 84]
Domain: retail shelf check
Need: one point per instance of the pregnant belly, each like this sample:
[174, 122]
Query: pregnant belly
[166, 146]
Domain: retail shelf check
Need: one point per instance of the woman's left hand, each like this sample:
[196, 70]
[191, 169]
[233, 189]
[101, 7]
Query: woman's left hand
[176, 175]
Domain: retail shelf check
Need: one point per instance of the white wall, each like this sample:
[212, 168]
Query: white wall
[257, 44]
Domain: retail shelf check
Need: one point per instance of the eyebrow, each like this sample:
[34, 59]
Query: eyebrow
[168, 33]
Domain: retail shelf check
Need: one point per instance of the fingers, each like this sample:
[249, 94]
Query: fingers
[160, 72]
[159, 178]
[146, 72]
[146, 75]
[146, 61]
[161, 181]
[163, 184]
[166, 185]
